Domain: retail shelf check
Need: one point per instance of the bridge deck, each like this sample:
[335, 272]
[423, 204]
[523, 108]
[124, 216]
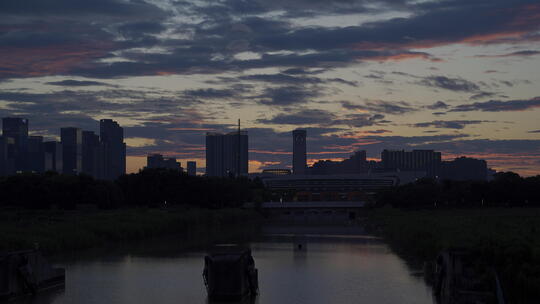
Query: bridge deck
[313, 205]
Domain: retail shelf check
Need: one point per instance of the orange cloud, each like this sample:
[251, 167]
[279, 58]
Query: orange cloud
[52, 60]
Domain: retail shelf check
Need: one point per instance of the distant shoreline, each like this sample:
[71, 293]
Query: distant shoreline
[58, 231]
[507, 238]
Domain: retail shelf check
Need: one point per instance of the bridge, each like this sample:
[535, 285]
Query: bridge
[314, 210]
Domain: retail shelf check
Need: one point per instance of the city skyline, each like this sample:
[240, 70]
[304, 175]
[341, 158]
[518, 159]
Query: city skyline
[455, 76]
[103, 156]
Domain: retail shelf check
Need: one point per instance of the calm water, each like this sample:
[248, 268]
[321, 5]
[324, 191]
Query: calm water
[331, 268]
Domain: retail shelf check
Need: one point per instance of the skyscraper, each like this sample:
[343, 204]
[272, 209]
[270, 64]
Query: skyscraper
[114, 149]
[91, 156]
[155, 161]
[7, 163]
[227, 154]
[214, 154]
[71, 150]
[17, 128]
[36, 154]
[53, 156]
[191, 168]
[416, 160]
[299, 151]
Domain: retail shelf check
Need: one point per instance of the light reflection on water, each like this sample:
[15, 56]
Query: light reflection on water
[326, 269]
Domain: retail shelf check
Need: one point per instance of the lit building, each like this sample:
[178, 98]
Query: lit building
[227, 154]
[276, 172]
[17, 129]
[299, 152]
[192, 168]
[53, 156]
[114, 149]
[71, 150]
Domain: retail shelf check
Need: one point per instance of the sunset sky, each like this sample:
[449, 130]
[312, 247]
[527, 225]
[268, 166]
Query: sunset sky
[458, 76]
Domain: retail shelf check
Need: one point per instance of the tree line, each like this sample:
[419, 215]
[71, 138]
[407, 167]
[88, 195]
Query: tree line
[150, 187]
[506, 189]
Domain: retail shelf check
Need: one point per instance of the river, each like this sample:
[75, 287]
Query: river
[334, 265]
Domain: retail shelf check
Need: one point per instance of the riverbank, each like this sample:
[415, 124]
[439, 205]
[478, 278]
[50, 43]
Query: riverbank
[508, 238]
[59, 231]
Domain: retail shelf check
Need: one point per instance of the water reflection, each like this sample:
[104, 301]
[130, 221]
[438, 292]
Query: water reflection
[328, 267]
[246, 300]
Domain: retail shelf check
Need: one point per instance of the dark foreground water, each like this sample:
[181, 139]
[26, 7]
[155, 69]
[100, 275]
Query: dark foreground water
[330, 268]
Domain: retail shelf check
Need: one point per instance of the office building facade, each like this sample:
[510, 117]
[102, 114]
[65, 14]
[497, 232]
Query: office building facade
[36, 154]
[155, 161]
[227, 154]
[114, 149]
[53, 156]
[299, 152]
[71, 139]
[416, 160]
[92, 158]
[191, 168]
[17, 129]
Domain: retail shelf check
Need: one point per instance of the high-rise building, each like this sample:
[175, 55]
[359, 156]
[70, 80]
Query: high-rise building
[465, 168]
[71, 150]
[53, 156]
[17, 129]
[192, 168]
[355, 164]
[7, 164]
[91, 155]
[227, 154]
[154, 161]
[114, 149]
[36, 154]
[299, 151]
[416, 160]
[214, 154]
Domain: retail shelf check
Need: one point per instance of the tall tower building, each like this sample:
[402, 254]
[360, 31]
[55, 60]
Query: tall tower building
[36, 154]
[227, 154]
[114, 149]
[299, 151]
[71, 150]
[91, 156]
[53, 156]
[17, 129]
[191, 168]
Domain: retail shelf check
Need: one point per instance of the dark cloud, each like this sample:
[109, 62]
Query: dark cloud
[210, 93]
[284, 78]
[323, 118]
[534, 131]
[448, 124]
[289, 95]
[499, 106]
[483, 95]
[77, 83]
[438, 105]
[526, 53]
[302, 117]
[381, 106]
[81, 35]
[451, 84]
